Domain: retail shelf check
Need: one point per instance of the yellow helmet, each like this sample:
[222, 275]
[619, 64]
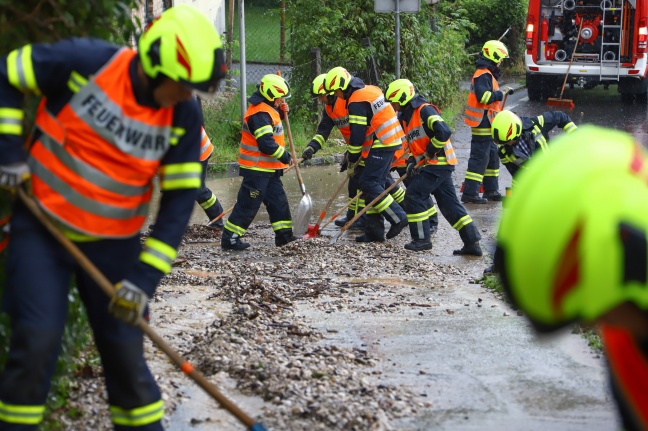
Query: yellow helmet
[400, 91]
[506, 127]
[561, 254]
[337, 79]
[274, 87]
[317, 88]
[184, 46]
[495, 51]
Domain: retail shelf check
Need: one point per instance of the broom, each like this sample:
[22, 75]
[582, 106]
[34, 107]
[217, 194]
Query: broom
[560, 102]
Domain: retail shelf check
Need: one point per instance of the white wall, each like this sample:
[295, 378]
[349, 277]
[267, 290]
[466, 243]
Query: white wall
[215, 10]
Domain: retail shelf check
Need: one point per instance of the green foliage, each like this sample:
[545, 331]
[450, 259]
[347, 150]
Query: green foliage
[27, 21]
[431, 58]
[490, 19]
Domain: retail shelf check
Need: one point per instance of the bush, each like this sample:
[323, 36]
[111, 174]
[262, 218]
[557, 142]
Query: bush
[431, 59]
[490, 19]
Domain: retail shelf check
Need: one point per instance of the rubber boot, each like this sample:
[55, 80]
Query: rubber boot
[419, 245]
[231, 241]
[473, 249]
[375, 230]
[344, 220]
[471, 193]
[284, 236]
[396, 216]
[212, 212]
[493, 196]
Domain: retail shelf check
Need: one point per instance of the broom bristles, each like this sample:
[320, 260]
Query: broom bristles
[560, 103]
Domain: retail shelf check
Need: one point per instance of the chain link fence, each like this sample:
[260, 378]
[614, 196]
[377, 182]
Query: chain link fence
[266, 41]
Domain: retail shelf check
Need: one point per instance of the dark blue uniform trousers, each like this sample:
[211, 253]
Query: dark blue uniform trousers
[372, 183]
[483, 166]
[39, 273]
[255, 190]
[438, 182]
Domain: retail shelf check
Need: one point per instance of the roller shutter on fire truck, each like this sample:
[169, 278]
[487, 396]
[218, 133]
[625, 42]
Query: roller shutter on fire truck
[610, 49]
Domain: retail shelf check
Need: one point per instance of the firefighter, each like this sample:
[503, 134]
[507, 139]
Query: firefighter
[519, 137]
[564, 258]
[206, 198]
[429, 141]
[335, 115]
[375, 137]
[399, 165]
[109, 120]
[484, 101]
[262, 158]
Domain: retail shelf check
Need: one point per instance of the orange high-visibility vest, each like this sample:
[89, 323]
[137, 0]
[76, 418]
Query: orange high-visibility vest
[419, 140]
[384, 123]
[629, 371]
[474, 109]
[249, 155]
[94, 164]
[401, 155]
[340, 116]
[206, 147]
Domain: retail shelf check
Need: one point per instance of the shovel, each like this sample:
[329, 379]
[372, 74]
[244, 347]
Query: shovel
[334, 216]
[313, 230]
[305, 208]
[221, 215]
[370, 204]
[109, 289]
[292, 166]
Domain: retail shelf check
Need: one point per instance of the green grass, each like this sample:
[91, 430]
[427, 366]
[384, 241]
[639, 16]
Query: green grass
[262, 36]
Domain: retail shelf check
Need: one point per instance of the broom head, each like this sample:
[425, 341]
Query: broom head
[560, 103]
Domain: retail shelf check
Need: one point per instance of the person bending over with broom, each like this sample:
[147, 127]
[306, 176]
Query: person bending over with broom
[519, 137]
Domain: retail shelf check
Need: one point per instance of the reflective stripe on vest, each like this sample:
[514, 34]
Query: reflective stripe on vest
[419, 140]
[401, 155]
[206, 147]
[249, 155]
[94, 164]
[340, 117]
[384, 122]
[474, 109]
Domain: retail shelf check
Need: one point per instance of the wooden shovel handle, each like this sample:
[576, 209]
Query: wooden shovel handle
[109, 289]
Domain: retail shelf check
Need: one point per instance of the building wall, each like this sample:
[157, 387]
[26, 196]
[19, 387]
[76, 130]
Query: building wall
[215, 10]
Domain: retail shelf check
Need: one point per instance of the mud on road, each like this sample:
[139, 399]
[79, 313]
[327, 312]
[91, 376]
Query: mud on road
[356, 337]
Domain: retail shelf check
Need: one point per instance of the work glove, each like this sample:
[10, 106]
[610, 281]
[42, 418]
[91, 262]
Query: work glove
[285, 157]
[308, 153]
[351, 169]
[283, 106]
[411, 167]
[507, 90]
[14, 174]
[345, 162]
[128, 303]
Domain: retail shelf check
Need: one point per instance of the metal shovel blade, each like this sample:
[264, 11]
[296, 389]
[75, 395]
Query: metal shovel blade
[302, 219]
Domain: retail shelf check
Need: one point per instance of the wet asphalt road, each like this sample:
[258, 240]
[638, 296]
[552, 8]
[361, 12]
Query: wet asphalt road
[483, 369]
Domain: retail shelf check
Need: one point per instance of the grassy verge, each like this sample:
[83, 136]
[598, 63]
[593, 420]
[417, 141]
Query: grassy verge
[589, 332]
[262, 35]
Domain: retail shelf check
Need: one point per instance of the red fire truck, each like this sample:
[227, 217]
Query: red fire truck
[606, 41]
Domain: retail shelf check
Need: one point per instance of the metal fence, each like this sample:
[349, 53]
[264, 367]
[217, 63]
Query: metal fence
[266, 40]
